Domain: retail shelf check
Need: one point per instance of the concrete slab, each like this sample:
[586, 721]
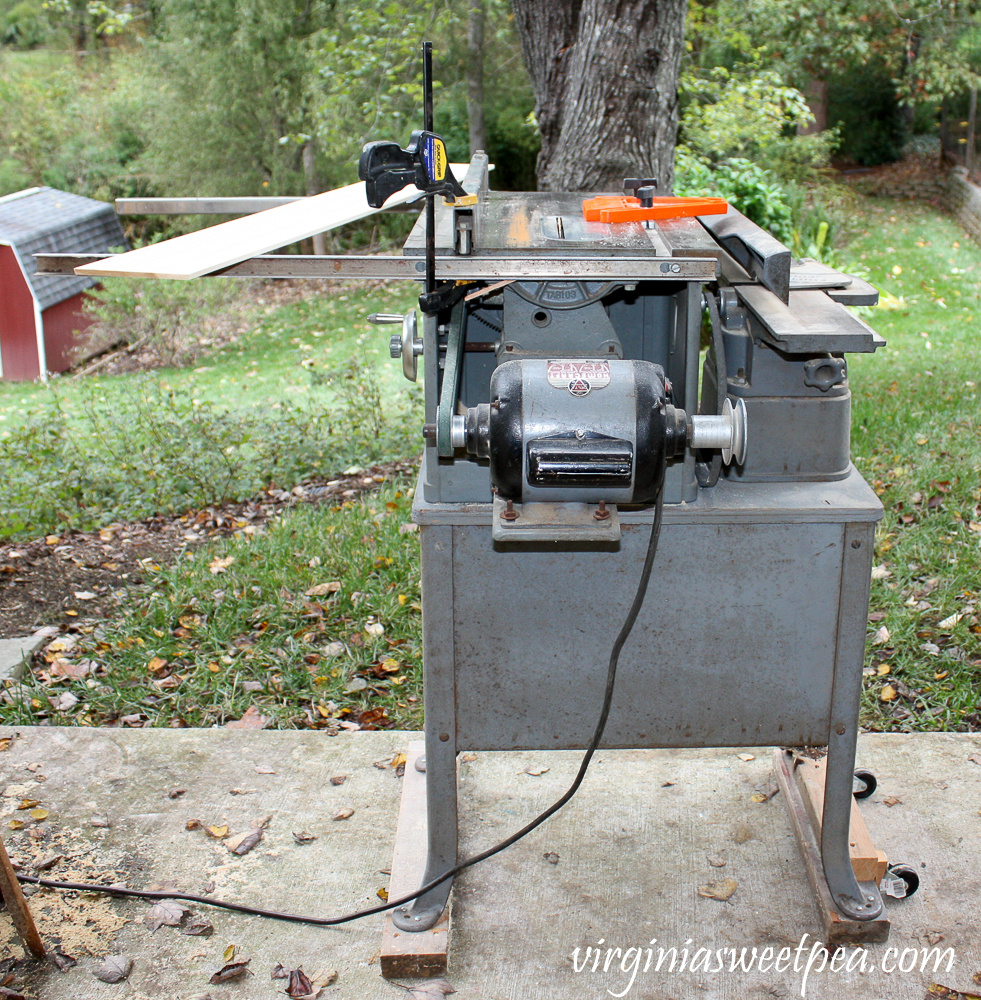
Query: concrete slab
[634, 847]
[15, 652]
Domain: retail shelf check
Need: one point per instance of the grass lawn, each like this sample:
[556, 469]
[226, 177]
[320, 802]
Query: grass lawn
[916, 437]
[304, 389]
[314, 621]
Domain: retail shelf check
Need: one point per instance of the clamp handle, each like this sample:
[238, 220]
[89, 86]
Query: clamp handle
[632, 184]
[386, 168]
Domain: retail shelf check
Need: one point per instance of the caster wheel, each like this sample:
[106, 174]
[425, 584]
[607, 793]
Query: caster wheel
[908, 874]
[866, 779]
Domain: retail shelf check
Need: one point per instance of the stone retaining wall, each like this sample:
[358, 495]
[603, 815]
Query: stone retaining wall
[920, 179]
[963, 200]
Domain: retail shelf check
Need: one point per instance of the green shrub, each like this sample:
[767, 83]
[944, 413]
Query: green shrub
[172, 317]
[148, 450]
[747, 186]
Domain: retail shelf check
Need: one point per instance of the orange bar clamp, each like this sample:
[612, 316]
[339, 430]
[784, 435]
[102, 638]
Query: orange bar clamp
[621, 208]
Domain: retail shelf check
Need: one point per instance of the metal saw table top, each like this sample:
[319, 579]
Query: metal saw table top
[512, 223]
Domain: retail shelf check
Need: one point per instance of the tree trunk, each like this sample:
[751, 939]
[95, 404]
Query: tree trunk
[970, 152]
[605, 74]
[817, 101]
[310, 179]
[475, 77]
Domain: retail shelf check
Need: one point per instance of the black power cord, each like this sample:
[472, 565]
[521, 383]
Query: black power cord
[611, 675]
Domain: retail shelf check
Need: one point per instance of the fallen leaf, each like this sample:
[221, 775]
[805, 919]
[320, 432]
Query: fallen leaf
[746, 756]
[64, 702]
[950, 622]
[198, 928]
[176, 793]
[192, 824]
[338, 779]
[881, 636]
[375, 629]
[29, 803]
[230, 971]
[759, 797]
[880, 572]
[39, 814]
[62, 961]
[721, 890]
[219, 565]
[244, 842]
[716, 862]
[324, 588]
[48, 862]
[324, 977]
[432, 989]
[891, 800]
[114, 969]
[888, 693]
[157, 663]
[299, 985]
[974, 758]
[345, 813]
[279, 972]
[535, 771]
[398, 761]
[264, 769]
[228, 954]
[16, 824]
[251, 719]
[382, 894]
[303, 837]
[883, 669]
[218, 832]
[551, 857]
[11, 994]
[100, 821]
[165, 911]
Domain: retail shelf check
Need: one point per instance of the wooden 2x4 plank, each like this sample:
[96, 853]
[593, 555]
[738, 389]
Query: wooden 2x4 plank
[409, 953]
[211, 249]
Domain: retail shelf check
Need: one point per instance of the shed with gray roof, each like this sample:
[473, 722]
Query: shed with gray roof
[41, 317]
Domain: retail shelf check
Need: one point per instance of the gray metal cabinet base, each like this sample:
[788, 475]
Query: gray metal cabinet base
[752, 633]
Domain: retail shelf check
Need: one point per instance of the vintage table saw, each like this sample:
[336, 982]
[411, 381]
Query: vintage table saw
[560, 360]
[554, 388]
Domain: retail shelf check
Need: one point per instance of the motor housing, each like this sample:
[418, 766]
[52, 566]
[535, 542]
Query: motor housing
[576, 430]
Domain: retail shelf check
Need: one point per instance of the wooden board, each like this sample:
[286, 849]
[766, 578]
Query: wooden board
[17, 907]
[837, 929]
[406, 953]
[869, 864]
[210, 249]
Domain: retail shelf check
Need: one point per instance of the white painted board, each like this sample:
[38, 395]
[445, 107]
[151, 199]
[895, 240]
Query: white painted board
[211, 249]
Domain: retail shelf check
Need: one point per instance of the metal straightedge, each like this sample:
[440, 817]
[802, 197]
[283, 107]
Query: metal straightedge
[219, 206]
[448, 268]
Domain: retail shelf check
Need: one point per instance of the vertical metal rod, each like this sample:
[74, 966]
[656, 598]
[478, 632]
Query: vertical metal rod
[427, 110]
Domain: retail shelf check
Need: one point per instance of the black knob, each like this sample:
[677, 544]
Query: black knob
[646, 195]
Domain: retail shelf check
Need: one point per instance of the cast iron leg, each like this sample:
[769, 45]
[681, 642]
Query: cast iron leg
[858, 902]
[439, 692]
[422, 913]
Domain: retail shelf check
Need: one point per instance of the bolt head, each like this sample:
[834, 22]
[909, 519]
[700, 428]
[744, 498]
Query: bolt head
[395, 345]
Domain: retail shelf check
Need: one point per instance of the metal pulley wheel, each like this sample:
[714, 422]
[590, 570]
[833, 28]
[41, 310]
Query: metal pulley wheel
[405, 345]
[563, 294]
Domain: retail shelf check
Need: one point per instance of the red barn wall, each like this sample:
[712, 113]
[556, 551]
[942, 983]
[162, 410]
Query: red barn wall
[63, 324]
[18, 338]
